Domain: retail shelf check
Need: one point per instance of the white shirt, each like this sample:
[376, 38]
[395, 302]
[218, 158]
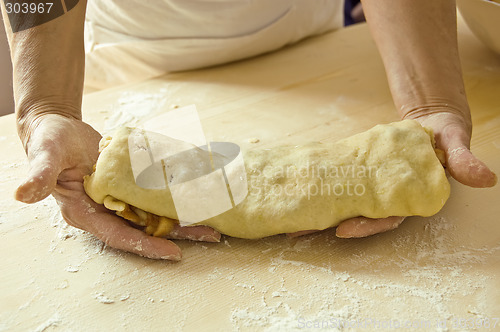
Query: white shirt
[130, 40]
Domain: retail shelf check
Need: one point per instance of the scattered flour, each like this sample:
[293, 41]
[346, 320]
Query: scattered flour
[432, 280]
[54, 321]
[132, 108]
[125, 297]
[101, 298]
[253, 140]
[72, 269]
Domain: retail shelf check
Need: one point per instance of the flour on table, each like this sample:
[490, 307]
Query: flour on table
[53, 321]
[133, 108]
[100, 297]
[72, 269]
[337, 297]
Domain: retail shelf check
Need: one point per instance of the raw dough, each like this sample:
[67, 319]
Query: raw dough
[389, 170]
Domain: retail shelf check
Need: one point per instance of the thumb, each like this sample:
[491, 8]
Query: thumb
[41, 180]
[467, 169]
[461, 163]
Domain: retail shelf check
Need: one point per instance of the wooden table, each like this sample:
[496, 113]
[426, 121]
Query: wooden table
[430, 271]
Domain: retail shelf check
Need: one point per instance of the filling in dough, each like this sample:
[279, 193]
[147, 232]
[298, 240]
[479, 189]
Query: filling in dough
[389, 170]
[153, 224]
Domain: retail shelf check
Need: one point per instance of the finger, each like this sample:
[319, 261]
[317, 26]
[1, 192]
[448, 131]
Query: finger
[454, 139]
[300, 233]
[362, 226]
[117, 234]
[467, 169]
[41, 179]
[194, 233]
[80, 211]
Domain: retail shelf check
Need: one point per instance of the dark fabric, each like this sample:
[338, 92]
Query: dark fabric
[348, 6]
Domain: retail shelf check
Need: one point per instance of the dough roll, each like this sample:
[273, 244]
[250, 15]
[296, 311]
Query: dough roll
[389, 170]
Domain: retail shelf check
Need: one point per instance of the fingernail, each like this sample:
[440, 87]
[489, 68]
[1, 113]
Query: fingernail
[343, 236]
[210, 238]
[23, 195]
[340, 233]
[495, 180]
[175, 258]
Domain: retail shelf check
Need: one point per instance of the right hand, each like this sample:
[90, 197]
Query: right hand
[452, 132]
[61, 150]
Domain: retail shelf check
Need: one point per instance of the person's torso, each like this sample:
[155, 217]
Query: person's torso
[162, 19]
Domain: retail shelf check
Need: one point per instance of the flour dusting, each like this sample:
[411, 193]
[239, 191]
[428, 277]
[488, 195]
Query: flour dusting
[53, 321]
[131, 109]
[101, 298]
[428, 285]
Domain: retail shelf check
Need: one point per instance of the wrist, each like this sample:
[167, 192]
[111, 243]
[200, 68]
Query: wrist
[29, 117]
[433, 109]
[414, 109]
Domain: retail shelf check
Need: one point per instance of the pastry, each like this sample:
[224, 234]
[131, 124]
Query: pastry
[389, 170]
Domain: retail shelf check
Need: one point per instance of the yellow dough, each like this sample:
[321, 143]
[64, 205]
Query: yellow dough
[389, 170]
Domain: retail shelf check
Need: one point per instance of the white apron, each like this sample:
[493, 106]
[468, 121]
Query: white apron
[131, 40]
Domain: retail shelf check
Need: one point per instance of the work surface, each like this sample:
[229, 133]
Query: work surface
[430, 271]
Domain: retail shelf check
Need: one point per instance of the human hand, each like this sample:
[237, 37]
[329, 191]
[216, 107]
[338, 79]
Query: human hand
[359, 227]
[452, 132]
[61, 150]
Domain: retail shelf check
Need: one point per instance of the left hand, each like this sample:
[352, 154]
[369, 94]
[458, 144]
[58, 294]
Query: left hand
[61, 150]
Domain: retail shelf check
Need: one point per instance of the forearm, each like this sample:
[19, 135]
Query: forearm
[418, 44]
[48, 67]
